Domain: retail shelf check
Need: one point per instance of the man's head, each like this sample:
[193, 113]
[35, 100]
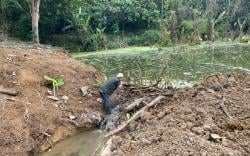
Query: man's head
[119, 76]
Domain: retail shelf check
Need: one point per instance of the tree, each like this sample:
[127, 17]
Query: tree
[4, 6]
[212, 10]
[34, 7]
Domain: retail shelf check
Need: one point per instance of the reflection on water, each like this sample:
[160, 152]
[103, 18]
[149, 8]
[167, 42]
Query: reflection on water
[82, 144]
[181, 65]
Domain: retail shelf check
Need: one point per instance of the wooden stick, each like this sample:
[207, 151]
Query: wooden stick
[107, 149]
[8, 92]
[135, 116]
[134, 104]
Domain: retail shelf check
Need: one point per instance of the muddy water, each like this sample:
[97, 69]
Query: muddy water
[82, 144]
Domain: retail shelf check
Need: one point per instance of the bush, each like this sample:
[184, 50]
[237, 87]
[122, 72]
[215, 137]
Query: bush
[150, 37]
[203, 28]
[188, 28]
[132, 40]
[112, 45]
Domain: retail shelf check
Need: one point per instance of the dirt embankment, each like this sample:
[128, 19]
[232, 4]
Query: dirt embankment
[212, 118]
[30, 119]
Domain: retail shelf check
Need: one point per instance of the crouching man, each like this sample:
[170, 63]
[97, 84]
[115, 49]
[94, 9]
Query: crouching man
[108, 88]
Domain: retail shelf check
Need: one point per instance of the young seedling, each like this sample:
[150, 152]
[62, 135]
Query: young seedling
[55, 82]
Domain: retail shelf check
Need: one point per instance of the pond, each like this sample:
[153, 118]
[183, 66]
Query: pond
[180, 65]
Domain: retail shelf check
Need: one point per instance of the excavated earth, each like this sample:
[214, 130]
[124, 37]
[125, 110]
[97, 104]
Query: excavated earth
[32, 121]
[211, 118]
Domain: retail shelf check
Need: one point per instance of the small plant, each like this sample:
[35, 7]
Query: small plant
[55, 82]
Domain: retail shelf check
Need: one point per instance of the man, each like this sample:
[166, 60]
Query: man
[108, 88]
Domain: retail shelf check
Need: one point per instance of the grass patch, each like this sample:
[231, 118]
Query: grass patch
[115, 51]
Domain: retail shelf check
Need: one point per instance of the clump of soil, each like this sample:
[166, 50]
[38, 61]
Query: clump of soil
[31, 119]
[211, 118]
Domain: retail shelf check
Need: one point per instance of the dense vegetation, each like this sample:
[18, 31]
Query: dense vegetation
[106, 24]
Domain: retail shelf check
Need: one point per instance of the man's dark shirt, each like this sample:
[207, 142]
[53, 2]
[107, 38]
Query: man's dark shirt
[110, 86]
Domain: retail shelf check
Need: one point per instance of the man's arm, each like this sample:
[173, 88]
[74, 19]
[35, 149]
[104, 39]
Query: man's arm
[120, 86]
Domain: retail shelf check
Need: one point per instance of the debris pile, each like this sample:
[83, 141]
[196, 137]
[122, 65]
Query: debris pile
[211, 118]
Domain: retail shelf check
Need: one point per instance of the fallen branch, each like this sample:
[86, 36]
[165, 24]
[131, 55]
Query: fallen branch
[134, 104]
[107, 149]
[135, 116]
[8, 92]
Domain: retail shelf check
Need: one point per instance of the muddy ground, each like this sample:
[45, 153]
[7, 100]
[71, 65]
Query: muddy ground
[192, 122]
[30, 120]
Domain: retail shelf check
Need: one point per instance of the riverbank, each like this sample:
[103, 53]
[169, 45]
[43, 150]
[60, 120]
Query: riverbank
[31, 116]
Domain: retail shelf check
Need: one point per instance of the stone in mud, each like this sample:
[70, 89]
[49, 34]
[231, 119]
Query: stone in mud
[161, 115]
[207, 128]
[197, 130]
[53, 98]
[145, 141]
[65, 99]
[84, 90]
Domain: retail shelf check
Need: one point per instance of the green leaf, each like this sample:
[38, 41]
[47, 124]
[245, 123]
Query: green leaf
[128, 115]
[87, 21]
[60, 82]
[46, 77]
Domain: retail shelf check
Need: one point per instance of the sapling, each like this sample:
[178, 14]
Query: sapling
[55, 82]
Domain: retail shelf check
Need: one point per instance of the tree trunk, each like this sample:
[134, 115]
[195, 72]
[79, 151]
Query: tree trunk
[3, 26]
[35, 20]
[211, 33]
[173, 25]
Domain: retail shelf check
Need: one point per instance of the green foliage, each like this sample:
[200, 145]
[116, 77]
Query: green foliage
[150, 37]
[187, 25]
[203, 28]
[112, 45]
[55, 82]
[187, 29]
[127, 19]
[128, 115]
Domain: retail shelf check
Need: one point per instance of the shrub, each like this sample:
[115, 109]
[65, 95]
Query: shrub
[113, 45]
[187, 28]
[203, 28]
[150, 37]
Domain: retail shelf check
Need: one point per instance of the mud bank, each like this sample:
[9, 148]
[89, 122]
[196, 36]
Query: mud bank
[211, 118]
[30, 120]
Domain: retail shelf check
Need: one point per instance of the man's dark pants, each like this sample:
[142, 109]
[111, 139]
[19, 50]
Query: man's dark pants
[106, 102]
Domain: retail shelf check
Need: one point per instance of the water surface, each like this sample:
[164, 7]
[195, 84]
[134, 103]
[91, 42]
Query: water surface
[182, 65]
[82, 144]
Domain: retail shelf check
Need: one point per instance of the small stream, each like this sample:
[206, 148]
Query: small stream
[82, 144]
[182, 65]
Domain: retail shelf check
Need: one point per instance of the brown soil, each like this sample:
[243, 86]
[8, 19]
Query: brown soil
[183, 124]
[29, 118]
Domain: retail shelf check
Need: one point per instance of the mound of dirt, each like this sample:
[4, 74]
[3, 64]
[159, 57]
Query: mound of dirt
[31, 119]
[212, 118]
